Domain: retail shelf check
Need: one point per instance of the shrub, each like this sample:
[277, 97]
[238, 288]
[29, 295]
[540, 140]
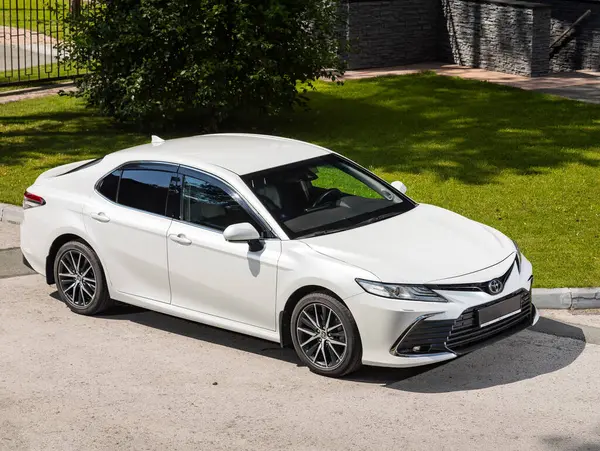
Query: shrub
[158, 62]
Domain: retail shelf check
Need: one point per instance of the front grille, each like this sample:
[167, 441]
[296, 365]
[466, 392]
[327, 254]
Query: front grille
[464, 333]
[481, 286]
[467, 333]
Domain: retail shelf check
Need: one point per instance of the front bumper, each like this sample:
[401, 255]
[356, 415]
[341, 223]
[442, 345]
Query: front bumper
[391, 329]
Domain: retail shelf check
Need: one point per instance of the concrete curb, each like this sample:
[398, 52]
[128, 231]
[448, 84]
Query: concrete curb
[543, 298]
[11, 213]
[35, 89]
[567, 298]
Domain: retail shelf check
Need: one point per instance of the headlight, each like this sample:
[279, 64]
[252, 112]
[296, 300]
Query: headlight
[405, 292]
[518, 255]
[517, 247]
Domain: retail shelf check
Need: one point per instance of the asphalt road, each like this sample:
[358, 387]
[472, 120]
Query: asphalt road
[13, 58]
[135, 379]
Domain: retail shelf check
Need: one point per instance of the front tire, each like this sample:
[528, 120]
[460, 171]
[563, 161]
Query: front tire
[325, 335]
[80, 279]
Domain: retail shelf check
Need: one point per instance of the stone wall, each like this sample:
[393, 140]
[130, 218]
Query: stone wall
[502, 35]
[511, 36]
[391, 32]
[582, 49]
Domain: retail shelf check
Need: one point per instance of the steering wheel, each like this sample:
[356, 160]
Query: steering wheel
[328, 196]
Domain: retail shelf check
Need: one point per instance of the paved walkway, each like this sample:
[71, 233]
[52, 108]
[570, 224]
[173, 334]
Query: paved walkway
[38, 91]
[580, 85]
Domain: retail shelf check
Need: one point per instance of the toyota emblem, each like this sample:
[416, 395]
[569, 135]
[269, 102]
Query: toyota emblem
[495, 286]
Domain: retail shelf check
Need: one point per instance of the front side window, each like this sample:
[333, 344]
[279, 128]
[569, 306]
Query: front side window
[208, 205]
[145, 189]
[325, 195]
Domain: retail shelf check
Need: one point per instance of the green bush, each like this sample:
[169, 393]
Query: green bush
[158, 62]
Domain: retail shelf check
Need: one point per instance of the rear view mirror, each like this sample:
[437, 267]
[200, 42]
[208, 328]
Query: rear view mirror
[399, 186]
[244, 232]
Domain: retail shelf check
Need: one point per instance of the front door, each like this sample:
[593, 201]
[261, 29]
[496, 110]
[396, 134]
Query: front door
[211, 275]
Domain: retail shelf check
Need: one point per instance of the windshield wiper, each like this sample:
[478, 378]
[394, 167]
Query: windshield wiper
[378, 218]
[326, 232]
[381, 217]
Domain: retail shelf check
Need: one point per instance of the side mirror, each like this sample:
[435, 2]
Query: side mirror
[399, 186]
[244, 232]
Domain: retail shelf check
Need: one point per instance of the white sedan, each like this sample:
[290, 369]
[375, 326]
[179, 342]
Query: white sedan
[279, 239]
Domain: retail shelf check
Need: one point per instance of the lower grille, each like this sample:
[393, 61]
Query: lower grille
[464, 333]
[467, 333]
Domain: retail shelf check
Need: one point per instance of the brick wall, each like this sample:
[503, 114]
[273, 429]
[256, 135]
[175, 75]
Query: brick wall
[502, 35]
[391, 32]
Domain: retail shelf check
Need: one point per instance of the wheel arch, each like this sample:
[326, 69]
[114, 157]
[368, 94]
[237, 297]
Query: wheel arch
[285, 316]
[58, 242]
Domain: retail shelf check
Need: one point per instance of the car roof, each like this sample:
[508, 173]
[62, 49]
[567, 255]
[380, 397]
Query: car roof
[239, 153]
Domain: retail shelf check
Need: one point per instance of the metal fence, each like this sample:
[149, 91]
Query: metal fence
[30, 31]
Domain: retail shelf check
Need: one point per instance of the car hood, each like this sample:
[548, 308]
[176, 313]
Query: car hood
[425, 244]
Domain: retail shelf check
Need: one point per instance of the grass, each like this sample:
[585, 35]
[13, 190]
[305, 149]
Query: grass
[41, 75]
[37, 15]
[525, 163]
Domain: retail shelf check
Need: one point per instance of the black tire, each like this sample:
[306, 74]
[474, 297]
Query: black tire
[98, 300]
[350, 360]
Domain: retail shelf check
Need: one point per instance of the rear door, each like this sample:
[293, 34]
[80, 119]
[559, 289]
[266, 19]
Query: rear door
[127, 219]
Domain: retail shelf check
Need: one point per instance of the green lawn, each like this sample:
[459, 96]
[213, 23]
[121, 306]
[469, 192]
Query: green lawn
[525, 163]
[40, 75]
[37, 15]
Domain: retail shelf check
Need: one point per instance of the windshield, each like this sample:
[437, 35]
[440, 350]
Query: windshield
[325, 195]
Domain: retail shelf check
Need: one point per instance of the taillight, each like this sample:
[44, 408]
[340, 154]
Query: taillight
[32, 200]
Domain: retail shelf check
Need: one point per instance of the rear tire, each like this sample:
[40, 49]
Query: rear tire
[80, 279]
[325, 335]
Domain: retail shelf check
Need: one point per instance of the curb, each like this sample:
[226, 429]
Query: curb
[40, 88]
[566, 298]
[11, 213]
[543, 298]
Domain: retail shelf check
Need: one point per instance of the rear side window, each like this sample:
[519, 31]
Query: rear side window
[145, 189]
[109, 185]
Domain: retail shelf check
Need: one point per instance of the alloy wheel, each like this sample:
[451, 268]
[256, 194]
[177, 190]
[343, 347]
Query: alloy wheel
[77, 278]
[321, 336]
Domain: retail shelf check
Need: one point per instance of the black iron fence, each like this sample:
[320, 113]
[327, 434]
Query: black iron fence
[30, 31]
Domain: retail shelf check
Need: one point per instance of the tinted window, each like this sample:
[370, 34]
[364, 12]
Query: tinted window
[109, 185]
[325, 195]
[206, 204]
[145, 189]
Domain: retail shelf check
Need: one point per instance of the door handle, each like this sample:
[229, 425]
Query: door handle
[181, 239]
[100, 217]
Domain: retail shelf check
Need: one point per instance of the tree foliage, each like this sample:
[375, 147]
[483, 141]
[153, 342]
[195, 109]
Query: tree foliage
[157, 62]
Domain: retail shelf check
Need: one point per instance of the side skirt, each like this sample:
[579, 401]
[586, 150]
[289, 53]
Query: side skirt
[198, 317]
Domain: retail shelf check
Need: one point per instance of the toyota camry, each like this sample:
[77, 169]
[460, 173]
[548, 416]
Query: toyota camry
[279, 239]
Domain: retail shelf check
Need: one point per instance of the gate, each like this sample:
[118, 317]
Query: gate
[29, 33]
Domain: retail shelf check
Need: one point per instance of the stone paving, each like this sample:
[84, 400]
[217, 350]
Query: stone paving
[580, 85]
[31, 93]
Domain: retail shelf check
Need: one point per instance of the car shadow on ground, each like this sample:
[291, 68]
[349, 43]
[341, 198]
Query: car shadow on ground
[572, 443]
[200, 332]
[529, 354]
